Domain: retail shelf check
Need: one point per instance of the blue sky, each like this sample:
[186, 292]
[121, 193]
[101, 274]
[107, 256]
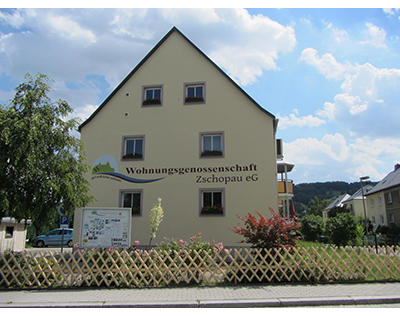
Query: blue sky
[331, 76]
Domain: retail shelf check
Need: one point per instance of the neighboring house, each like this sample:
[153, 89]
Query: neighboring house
[383, 201]
[12, 234]
[338, 202]
[177, 127]
[355, 202]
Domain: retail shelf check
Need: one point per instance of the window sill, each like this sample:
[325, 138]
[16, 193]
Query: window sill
[212, 211]
[190, 100]
[132, 157]
[152, 102]
[213, 153]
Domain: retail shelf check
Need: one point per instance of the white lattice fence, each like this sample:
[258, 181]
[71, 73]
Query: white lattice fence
[156, 268]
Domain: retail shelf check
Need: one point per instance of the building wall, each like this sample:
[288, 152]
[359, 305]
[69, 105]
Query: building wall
[392, 204]
[356, 206]
[376, 208]
[172, 140]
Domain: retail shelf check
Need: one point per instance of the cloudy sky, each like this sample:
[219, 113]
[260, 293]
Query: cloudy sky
[331, 76]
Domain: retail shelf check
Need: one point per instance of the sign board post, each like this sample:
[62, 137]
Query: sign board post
[63, 223]
[105, 227]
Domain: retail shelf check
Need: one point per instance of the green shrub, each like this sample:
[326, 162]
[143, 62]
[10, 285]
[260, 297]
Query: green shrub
[342, 229]
[312, 226]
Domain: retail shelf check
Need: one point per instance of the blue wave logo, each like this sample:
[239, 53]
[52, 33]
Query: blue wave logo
[129, 179]
[107, 165]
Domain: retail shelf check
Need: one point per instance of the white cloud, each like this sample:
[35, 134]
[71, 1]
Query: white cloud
[334, 157]
[327, 65]
[243, 65]
[69, 44]
[70, 29]
[339, 35]
[255, 47]
[376, 36]
[368, 102]
[83, 112]
[299, 121]
[391, 12]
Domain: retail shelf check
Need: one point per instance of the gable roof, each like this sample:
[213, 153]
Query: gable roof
[358, 194]
[391, 180]
[337, 202]
[174, 29]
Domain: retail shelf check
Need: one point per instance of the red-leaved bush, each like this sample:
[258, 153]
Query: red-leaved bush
[274, 232]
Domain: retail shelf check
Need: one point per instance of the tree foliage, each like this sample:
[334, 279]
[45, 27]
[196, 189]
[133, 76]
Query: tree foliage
[342, 229]
[41, 163]
[316, 206]
[305, 192]
[312, 227]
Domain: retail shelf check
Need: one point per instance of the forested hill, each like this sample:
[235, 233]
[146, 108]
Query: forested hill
[304, 192]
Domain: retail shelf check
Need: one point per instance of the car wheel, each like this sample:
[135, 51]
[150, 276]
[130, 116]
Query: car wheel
[40, 243]
[69, 243]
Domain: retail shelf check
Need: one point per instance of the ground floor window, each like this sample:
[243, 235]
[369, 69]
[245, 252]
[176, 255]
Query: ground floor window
[212, 202]
[133, 200]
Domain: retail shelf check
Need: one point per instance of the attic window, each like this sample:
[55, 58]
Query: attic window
[194, 93]
[152, 95]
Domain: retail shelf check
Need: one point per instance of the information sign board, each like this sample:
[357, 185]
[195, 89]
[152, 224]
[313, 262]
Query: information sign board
[105, 227]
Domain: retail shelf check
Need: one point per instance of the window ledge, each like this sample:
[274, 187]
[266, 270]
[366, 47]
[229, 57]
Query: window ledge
[212, 153]
[132, 157]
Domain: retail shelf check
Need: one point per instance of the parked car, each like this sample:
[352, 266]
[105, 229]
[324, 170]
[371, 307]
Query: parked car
[55, 238]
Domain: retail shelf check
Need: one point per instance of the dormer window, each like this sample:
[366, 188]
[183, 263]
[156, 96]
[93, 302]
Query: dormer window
[194, 93]
[152, 95]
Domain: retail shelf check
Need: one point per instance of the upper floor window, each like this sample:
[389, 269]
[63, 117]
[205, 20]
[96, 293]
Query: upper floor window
[389, 197]
[133, 147]
[152, 95]
[194, 93]
[212, 144]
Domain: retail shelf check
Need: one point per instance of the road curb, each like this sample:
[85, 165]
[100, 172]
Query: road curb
[235, 303]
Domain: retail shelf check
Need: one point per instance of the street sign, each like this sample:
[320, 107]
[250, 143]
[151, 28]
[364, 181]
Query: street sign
[63, 221]
[60, 210]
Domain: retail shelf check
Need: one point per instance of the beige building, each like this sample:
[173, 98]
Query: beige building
[179, 128]
[383, 200]
[355, 203]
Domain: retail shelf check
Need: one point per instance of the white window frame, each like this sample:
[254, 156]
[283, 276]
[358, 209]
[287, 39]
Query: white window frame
[125, 139]
[210, 155]
[194, 85]
[152, 88]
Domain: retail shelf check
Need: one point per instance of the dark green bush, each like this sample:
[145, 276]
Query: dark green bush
[312, 227]
[342, 229]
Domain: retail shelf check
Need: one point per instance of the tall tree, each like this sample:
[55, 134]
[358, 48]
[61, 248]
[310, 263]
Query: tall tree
[316, 206]
[41, 163]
